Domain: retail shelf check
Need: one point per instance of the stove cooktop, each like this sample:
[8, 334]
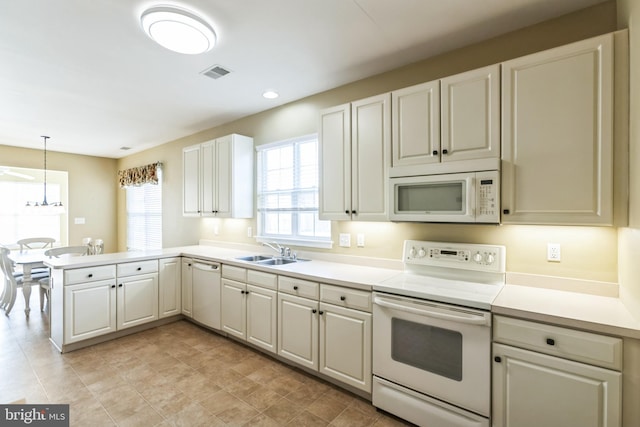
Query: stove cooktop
[469, 275]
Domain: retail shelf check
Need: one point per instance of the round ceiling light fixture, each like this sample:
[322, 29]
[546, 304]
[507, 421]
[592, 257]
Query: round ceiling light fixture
[178, 29]
[270, 94]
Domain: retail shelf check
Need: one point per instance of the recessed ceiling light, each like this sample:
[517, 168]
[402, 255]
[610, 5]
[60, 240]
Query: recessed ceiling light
[178, 29]
[270, 94]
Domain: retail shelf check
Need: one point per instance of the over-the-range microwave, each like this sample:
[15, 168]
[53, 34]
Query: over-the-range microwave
[471, 197]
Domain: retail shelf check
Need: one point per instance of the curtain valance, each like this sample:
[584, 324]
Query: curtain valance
[147, 174]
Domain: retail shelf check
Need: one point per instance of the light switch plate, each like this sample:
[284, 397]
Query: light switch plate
[345, 240]
[360, 240]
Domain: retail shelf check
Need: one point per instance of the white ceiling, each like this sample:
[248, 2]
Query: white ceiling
[84, 73]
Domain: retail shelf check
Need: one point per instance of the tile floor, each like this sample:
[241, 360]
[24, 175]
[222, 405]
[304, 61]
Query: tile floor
[173, 375]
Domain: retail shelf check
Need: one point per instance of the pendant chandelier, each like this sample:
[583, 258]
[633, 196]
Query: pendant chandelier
[44, 207]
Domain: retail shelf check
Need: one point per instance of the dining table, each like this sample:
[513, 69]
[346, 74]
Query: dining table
[28, 260]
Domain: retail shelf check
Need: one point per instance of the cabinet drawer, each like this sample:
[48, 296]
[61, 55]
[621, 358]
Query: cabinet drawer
[260, 278]
[346, 297]
[299, 287]
[138, 267]
[89, 274]
[587, 347]
[234, 273]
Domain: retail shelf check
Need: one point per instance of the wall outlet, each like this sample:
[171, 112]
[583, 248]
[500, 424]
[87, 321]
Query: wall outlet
[249, 232]
[360, 240]
[78, 221]
[216, 229]
[553, 252]
[345, 240]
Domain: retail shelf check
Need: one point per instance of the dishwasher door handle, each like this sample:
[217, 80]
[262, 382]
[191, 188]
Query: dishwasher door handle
[454, 316]
[206, 267]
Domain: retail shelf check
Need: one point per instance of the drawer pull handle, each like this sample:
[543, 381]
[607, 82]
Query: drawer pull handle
[342, 298]
[90, 276]
[497, 359]
[551, 341]
[295, 288]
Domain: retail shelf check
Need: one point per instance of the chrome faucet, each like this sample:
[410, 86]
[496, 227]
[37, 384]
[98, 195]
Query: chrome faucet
[276, 248]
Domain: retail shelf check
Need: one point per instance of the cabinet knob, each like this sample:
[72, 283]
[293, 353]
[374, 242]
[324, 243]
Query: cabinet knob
[120, 285]
[139, 268]
[342, 298]
[353, 212]
[295, 288]
[505, 211]
[90, 275]
[445, 151]
[113, 286]
[314, 311]
[551, 341]
[347, 212]
[321, 312]
[497, 359]
[434, 152]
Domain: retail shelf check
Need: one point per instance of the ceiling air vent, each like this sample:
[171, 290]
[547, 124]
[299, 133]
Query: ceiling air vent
[216, 72]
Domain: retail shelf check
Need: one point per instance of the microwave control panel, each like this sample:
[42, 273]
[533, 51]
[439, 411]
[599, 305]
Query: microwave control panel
[466, 256]
[487, 200]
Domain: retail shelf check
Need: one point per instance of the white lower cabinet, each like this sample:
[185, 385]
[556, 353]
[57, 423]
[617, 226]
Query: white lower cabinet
[89, 310]
[249, 311]
[137, 293]
[137, 300]
[334, 339]
[187, 287]
[169, 289]
[536, 384]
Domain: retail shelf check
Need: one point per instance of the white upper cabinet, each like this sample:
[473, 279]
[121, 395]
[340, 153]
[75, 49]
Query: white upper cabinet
[557, 135]
[471, 115]
[218, 178]
[355, 157]
[441, 122]
[415, 123]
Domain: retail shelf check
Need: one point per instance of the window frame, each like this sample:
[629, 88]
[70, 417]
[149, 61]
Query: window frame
[291, 239]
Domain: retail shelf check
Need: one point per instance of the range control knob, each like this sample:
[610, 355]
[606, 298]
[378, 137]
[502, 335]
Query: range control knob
[477, 257]
[421, 253]
[490, 258]
[412, 253]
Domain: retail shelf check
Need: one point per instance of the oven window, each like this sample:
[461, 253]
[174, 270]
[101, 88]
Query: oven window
[442, 197]
[428, 348]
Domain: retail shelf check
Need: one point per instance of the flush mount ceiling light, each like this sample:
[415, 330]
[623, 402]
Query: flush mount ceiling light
[178, 29]
[270, 94]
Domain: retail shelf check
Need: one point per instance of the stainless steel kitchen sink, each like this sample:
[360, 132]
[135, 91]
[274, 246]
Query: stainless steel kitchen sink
[277, 261]
[254, 258]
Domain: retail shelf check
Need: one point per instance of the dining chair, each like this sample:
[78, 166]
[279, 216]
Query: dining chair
[11, 281]
[36, 243]
[45, 283]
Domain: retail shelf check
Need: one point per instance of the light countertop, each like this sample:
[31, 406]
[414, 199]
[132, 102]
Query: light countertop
[602, 314]
[338, 273]
[595, 313]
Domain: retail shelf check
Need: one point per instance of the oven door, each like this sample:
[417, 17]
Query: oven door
[436, 349]
[433, 198]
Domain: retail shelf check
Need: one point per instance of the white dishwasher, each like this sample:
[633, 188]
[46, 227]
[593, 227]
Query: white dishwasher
[206, 293]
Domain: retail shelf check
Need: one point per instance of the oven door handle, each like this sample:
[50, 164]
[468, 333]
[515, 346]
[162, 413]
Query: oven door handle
[461, 318]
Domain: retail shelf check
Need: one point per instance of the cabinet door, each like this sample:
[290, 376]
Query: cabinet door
[89, 310]
[557, 135]
[416, 125]
[209, 178]
[370, 158]
[298, 330]
[137, 300]
[191, 181]
[345, 345]
[233, 308]
[532, 389]
[335, 163]
[262, 308]
[471, 115]
[169, 284]
[187, 286]
[224, 179]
